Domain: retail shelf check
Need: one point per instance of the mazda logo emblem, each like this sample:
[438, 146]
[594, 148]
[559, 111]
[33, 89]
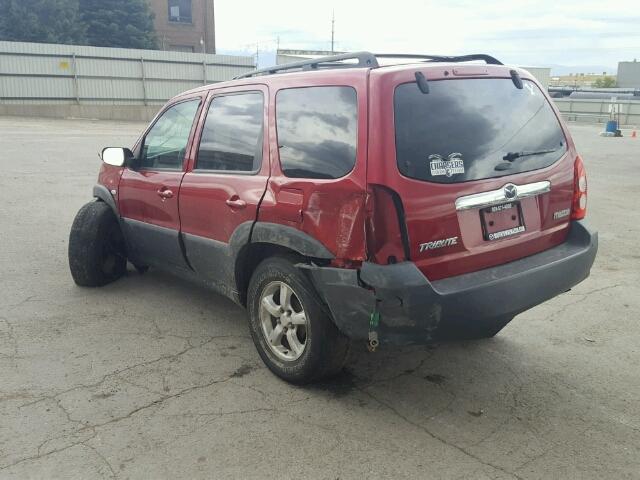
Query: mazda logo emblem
[510, 191]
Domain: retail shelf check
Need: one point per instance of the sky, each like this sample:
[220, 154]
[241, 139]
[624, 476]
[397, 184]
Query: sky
[593, 35]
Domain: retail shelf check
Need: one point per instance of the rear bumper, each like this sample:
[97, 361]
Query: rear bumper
[415, 310]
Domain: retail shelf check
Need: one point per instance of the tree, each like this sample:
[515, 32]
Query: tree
[43, 21]
[605, 82]
[119, 23]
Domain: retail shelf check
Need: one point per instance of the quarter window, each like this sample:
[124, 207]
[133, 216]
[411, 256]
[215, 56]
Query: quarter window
[232, 134]
[317, 131]
[165, 144]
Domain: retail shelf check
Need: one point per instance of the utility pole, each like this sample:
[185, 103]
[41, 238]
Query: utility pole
[206, 27]
[333, 28]
[210, 25]
[257, 53]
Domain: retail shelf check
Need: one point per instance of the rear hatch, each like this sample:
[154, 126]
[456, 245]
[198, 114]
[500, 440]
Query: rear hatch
[483, 169]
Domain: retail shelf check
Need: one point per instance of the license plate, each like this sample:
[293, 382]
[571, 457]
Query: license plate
[502, 221]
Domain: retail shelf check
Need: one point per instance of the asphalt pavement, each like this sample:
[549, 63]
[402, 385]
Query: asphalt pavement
[151, 377]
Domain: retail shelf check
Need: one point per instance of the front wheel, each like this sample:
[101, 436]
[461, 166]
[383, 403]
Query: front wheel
[97, 253]
[291, 330]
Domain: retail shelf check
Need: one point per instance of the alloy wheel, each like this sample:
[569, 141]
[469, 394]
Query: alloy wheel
[284, 321]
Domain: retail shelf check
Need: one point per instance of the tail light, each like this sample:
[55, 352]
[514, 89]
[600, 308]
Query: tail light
[385, 228]
[579, 206]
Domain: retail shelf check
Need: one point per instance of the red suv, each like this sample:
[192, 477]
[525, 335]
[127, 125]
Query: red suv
[340, 200]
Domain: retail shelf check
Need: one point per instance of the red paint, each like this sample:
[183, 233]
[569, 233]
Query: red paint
[151, 196]
[430, 208]
[140, 197]
[211, 203]
[109, 176]
[352, 216]
[332, 210]
[384, 237]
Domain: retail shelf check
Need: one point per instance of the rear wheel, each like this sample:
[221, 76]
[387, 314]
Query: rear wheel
[97, 253]
[289, 325]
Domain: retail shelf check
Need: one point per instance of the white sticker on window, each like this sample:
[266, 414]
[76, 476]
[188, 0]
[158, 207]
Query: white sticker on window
[449, 166]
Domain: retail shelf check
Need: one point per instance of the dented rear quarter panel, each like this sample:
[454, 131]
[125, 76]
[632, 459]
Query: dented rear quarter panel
[331, 211]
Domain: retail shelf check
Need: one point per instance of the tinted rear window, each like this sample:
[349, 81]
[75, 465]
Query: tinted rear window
[317, 131]
[462, 129]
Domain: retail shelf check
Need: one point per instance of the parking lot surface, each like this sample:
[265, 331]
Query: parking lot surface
[151, 377]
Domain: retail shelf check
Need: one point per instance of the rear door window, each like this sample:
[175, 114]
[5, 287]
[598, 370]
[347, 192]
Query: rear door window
[232, 134]
[317, 131]
[472, 129]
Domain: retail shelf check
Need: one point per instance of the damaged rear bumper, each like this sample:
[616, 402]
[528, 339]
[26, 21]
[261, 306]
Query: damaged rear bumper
[415, 310]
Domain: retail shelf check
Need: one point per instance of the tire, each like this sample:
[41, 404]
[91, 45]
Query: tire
[325, 348]
[97, 252]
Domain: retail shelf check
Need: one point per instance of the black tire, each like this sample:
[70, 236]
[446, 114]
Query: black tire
[326, 348]
[97, 252]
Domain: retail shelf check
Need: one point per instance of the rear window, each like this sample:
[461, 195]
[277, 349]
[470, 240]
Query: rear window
[317, 131]
[472, 129]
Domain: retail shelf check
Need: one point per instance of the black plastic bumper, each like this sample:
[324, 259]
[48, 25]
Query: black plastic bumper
[415, 310]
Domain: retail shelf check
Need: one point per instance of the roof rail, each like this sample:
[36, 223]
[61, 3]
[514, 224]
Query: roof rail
[365, 60]
[443, 58]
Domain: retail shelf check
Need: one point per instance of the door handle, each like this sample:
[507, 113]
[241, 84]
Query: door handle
[165, 193]
[236, 202]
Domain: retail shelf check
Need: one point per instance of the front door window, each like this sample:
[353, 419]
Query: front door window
[165, 144]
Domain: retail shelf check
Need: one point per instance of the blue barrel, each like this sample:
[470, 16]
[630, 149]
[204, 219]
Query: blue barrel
[612, 126]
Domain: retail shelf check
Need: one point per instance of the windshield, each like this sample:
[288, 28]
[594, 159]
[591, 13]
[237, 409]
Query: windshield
[462, 130]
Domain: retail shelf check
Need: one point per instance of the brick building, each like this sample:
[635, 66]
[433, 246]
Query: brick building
[185, 25]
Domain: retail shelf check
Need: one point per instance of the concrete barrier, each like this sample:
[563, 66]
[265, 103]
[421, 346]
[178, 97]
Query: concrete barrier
[101, 112]
[598, 110]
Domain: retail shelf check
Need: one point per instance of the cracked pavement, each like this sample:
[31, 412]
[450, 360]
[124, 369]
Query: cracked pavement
[151, 377]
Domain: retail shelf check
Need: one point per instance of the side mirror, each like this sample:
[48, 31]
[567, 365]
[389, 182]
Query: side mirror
[116, 156]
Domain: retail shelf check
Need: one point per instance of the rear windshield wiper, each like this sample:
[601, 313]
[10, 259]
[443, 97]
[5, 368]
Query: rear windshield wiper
[511, 156]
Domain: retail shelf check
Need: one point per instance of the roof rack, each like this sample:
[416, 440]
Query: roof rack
[444, 58]
[364, 60]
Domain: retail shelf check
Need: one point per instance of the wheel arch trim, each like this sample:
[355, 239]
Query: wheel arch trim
[291, 238]
[102, 193]
[266, 234]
